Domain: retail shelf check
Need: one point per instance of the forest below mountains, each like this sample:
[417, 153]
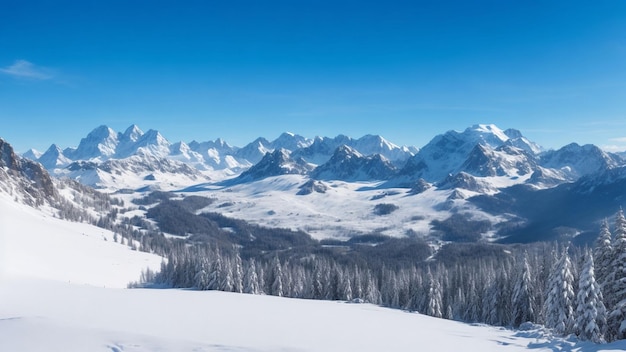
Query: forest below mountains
[555, 284]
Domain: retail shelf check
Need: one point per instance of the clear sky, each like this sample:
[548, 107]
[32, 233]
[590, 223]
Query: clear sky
[408, 70]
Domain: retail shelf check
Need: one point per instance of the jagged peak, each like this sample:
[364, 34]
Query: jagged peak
[54, 148]
[222, 143]
[180, 146]
[378, 140]
[290, 141]
[152, 137]
[102, 132]
[32, 154]
[7, 155]
[260, 141]
[280, 152]
[133, 133]
[344, 151]
[487, 130]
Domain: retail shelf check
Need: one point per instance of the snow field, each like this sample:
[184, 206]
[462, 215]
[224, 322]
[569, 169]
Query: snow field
[36, 245]
[53, 316]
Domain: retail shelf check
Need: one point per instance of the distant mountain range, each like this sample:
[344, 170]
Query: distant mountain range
[482, 151]
[329, 186]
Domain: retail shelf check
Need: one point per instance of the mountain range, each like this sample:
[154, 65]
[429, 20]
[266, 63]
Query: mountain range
[479, 151]
[329, 187]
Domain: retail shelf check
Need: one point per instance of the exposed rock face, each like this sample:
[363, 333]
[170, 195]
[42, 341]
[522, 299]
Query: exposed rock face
[24, 178]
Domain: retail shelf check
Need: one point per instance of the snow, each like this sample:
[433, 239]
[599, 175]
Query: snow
[346, 209]
[63, 317]
[61, 290]
[35, 245]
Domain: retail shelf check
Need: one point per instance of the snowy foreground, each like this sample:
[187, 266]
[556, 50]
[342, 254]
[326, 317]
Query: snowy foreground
[61, 289]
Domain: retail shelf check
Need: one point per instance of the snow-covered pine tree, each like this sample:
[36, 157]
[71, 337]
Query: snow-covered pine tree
[250, 279]
[216, 274]
[372, 293]
[559, 303]
[523, 296]
[590, 311]
[357, 284]
[202, 274]
[473, 301]
[435, 306]
[276, 278]
[237, 272]
[227, 282]
[602, 255]
[617, 294]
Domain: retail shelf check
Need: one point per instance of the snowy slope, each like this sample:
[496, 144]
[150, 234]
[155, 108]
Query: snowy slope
[35, 245]
[72, 318]
[344, 210]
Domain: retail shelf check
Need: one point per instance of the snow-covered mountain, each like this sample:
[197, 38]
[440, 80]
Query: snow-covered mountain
[574, 161]
[323, 148]
[100, 143]
[54, 158]
[95, 159]
[503, 161]
[447, 153]
[134, 172]
[290, 141]
[275, 163]
[485, 151]
[219, 155]
[349, 165]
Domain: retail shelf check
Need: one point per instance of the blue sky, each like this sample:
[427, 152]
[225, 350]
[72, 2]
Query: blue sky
[407, 70]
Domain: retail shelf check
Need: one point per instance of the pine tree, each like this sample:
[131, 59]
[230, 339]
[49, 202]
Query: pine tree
[202, 274]
[237, 273]
[617, 294]
[523, 296]
[558, 306]
[227, 282]
[435, 306]
[602, 255]
[216, 274]
[250, 279]
[276, 278]
[590, 311]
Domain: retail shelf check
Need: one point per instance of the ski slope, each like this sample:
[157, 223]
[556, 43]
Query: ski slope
[61, 290]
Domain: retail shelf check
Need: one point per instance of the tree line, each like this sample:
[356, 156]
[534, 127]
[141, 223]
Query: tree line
[568, 289]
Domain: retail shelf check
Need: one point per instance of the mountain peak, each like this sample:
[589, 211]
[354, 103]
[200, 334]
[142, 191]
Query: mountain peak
[290, 141]
[102, 141]
[32, 154]
[487, 133]
[132, 133]
[345, 151]
[54, 158]
[275, 163]
[349, 165]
